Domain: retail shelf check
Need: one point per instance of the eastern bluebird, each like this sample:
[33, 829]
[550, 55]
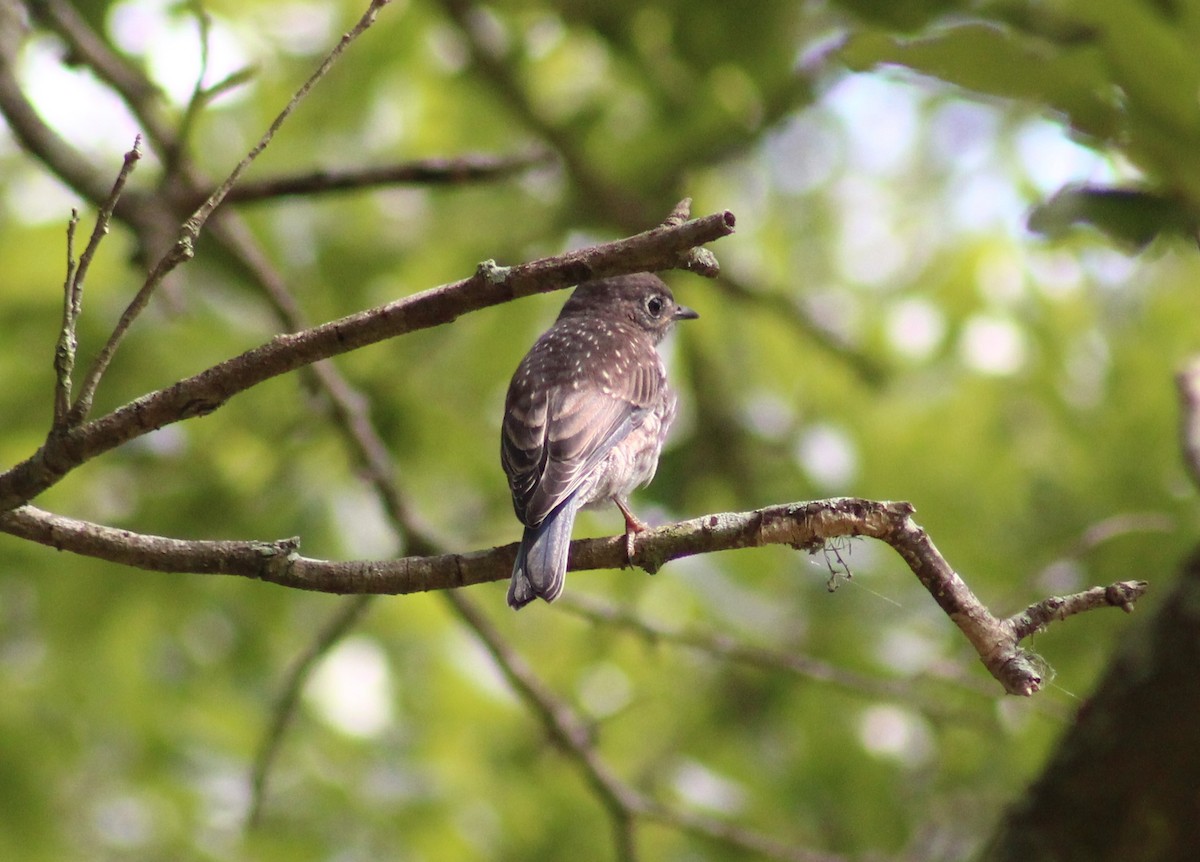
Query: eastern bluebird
[585, 419]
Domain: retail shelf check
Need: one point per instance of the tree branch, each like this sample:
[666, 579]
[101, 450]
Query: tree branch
[64, 354]
[726, 648]
[184, 248]
[196, 222]
[625, 804]
[1122, 594]
[620, 206]
[804, 526]
[1121, 782]
[561, 723]
[655, 249]
[68, 343]
[471, 168]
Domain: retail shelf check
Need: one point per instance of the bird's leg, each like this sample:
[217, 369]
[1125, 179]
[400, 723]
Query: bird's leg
[633, 526]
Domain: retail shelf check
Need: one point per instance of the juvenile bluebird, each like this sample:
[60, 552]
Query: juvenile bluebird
[585, 419]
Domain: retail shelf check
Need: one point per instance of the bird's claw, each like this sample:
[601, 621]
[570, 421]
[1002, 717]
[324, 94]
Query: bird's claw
[633, 526]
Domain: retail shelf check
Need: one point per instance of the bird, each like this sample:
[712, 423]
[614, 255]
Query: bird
[585, 418]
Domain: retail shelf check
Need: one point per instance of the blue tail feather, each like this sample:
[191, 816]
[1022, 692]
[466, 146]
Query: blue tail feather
[541, 565]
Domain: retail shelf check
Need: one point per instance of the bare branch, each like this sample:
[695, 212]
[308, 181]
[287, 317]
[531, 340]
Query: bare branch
[625, 804]
[562, 724]
[1036, 617]
[64, 352]
[804, 526]
[725, 647]
[64, 355]
[655, 249]
[698, 260]
[104, 217]
[153, 553]
[181, 252]
[616, 203]
[423, 172]
[184, 248]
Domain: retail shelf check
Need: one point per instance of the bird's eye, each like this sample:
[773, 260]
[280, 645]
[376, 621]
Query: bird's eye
[654, 305]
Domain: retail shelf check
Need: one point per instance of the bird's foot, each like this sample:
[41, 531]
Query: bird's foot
[633, 526]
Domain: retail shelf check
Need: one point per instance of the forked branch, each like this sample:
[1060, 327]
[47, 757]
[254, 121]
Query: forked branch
[804, 526]
[662, 247]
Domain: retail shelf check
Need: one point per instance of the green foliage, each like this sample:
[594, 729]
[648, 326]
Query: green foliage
[985, 58]
[1020, 396]
[1131, 216]
[1123, 75]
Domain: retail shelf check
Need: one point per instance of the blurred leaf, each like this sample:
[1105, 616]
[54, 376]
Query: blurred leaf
[902, 15]
[1130, 216]
[1152, 60]
[996, 61]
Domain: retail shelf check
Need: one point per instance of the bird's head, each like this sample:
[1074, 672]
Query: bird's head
[644, 299]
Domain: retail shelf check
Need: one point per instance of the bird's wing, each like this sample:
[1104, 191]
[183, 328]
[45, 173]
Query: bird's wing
[553, 440]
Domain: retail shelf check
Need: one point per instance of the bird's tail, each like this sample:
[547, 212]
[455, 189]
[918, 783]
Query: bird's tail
[541, 565]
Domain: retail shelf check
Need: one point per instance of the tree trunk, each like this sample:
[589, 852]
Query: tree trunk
[1125, 782]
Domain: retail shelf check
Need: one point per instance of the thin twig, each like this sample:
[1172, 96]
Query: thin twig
[202, 393]
[181, 252]
[732, 649]
[625, 805]
[423, 172]
[561, 723]
[620, 207]
[103, 218]
[214, 200]
[1037, 616]
[805, 526]
[64, 353]
[184, 248]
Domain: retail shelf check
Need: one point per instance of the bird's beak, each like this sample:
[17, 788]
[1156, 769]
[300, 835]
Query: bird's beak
[682, 312]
